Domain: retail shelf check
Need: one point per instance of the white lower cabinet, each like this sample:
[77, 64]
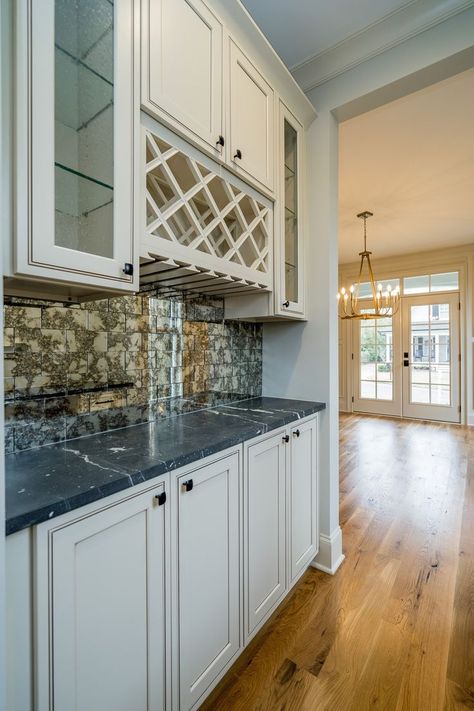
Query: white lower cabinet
[100, 609]
[207, 576]
[264, 515]
[302, 497]
[144, 600]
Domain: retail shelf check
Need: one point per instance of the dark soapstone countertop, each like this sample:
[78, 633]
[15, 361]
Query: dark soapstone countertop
[46, 482]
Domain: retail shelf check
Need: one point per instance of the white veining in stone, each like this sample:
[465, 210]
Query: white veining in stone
[87, 460]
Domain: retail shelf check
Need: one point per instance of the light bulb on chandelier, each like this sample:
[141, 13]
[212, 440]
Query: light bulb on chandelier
[385, 303]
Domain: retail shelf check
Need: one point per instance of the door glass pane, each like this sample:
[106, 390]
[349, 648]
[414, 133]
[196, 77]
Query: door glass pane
[84, 125]
[416, 285]
[445, 282]
[376, 359]
[430, 344]
[291, 213]
[365, 291]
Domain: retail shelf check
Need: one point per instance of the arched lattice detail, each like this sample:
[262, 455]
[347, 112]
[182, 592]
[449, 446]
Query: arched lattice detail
[200, 217]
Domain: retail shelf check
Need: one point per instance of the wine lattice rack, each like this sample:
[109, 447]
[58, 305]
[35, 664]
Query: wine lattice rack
[205, 231]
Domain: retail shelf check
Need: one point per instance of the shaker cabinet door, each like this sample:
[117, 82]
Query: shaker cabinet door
[302, 498]
[182, 66]
[106, 624]
[251, 120]
[264, 529]
[208, 576]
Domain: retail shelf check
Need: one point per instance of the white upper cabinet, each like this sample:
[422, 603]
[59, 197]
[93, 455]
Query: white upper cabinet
[289, 243]
[182, 66]
[251, 119]
[76, 122]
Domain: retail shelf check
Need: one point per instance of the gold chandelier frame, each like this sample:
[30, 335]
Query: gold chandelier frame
[386, 303]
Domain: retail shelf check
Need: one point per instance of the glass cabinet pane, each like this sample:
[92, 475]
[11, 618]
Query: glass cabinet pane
[291, 212]
[84, 125]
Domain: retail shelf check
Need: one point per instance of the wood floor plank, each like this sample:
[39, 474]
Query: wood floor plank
[394, 628]
[461, 651]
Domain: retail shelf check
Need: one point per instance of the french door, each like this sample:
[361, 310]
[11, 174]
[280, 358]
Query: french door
[377, 365]
[430, 334]
[408, 365]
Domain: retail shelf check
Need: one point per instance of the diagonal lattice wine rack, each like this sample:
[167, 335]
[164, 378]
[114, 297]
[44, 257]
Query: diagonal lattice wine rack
[204, 231]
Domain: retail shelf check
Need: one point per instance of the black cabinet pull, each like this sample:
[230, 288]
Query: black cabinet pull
[220, 141]
[188, 485]
[128, 269]
[238, 154]
[161, 498]
[286, 438]
[286, 304]
[297, 433]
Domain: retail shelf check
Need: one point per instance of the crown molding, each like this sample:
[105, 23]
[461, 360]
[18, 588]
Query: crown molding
[399, 26]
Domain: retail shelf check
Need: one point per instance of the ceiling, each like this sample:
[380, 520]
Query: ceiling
[411, 163]
[301, 29]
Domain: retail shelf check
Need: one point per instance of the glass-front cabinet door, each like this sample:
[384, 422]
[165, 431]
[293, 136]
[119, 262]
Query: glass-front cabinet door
[78, 115]
[289, 250]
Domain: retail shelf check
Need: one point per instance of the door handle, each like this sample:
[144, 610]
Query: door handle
[187, 485]
[406, 363]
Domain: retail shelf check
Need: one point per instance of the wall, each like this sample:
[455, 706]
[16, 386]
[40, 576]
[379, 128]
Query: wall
[73, 370]
[312, 348]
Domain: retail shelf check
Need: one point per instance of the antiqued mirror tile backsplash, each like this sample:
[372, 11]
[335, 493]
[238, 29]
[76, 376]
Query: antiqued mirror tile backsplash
[73, 370]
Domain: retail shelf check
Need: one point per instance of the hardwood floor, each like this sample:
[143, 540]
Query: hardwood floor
[394, 628]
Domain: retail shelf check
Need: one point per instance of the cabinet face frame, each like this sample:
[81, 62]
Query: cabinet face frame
[35, 253]
[43, 559]
[238, 61]
[161, 106]
[295, 308]
[176, 492]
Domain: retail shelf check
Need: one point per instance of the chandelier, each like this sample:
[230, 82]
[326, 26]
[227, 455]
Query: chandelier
[385, 302]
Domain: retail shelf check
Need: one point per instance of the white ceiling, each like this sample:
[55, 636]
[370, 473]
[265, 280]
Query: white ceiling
[411, 163]
[301, 29]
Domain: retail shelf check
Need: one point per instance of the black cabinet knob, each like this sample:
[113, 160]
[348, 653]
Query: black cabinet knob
[188, 485]
[286, 438]
[220, 141]
[161, 498]
[286, 304]
[238, 154]
[296, 433]
[128, 269]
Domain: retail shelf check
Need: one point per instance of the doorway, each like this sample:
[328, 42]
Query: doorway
[408, 365]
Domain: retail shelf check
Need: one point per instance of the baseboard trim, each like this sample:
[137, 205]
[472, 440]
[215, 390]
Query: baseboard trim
[330, 554]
